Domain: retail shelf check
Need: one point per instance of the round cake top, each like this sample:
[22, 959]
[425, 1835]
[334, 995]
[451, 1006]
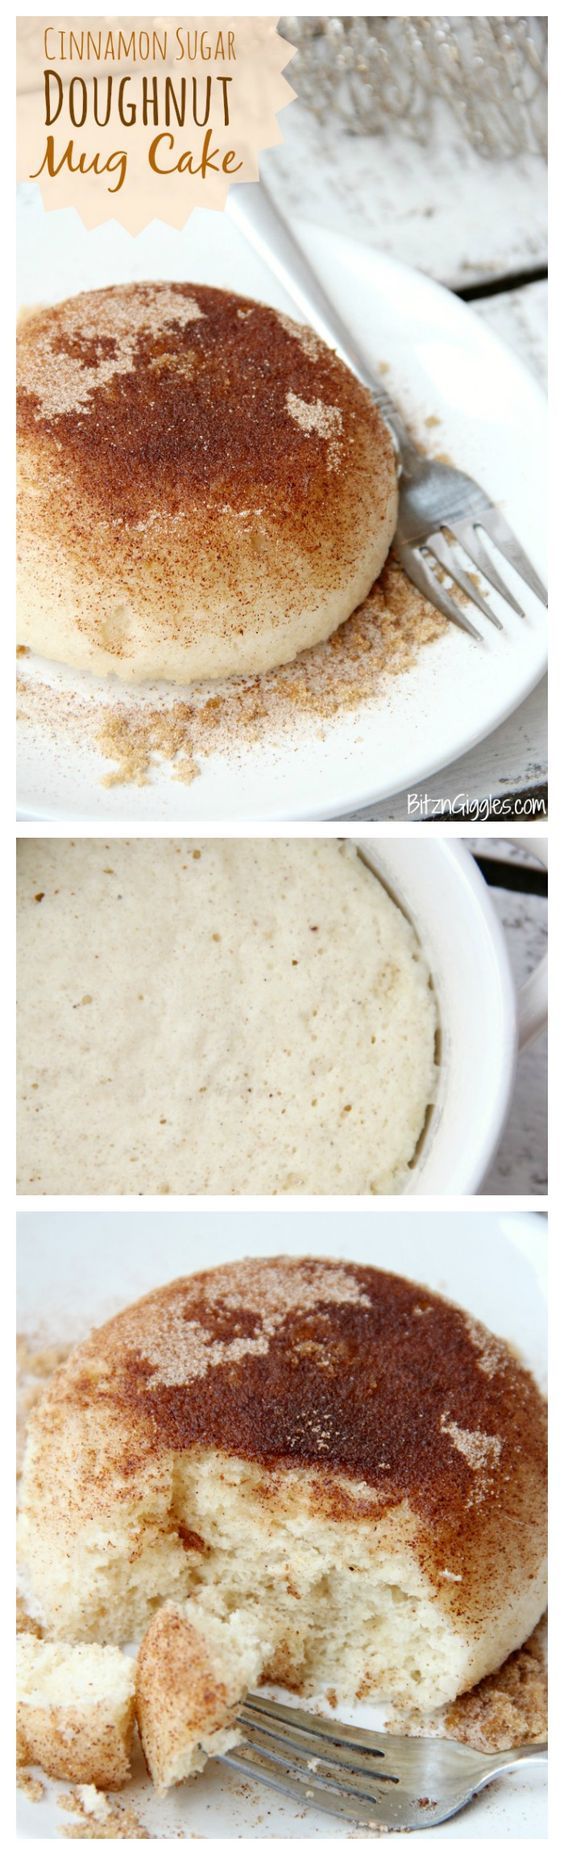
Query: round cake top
[162, 395]
[334, 1368]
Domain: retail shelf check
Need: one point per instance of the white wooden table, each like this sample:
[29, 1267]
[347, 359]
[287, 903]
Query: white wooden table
[520, 1165]
[472, 224]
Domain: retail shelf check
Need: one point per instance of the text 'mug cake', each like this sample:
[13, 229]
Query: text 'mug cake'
[205, 489]
[323, 1473]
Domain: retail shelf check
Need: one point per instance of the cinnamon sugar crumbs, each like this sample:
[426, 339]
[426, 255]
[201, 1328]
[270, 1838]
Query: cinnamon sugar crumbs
[98, 1818]
[137, 741]
[507, 1708]
[353, 668]
[32, 1787]
[380, 640]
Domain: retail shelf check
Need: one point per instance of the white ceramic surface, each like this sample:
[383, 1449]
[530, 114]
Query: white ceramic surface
[443, 363]
[77, 1269]
[441, 889]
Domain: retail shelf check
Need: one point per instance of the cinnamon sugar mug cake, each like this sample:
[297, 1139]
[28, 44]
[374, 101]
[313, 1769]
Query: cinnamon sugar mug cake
[286, 1469]
[204, 487]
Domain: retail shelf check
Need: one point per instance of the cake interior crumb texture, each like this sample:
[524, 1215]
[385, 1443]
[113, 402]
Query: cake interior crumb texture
[212, 1016]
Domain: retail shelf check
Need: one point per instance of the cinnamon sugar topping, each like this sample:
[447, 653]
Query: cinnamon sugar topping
[480, 1451]
[491, 1353]
[317, 417]
[90, 370]
[71, 353]
[307, 1362]
[181, 1350]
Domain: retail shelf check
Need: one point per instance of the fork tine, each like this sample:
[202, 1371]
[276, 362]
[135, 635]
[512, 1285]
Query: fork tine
[314, 1768]
[500, 532]
[437, 546]
[301, 1720]
[355, 1809]
[424, 579]
[330, 1732]
[368, 1762]
[469, 539]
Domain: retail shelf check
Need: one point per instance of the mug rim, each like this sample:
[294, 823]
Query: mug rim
[456, 853]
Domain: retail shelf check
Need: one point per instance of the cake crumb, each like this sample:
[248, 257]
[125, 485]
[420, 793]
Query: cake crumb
[507, 1708]
[99, 1818]
[31, 1787]
[26, 1625]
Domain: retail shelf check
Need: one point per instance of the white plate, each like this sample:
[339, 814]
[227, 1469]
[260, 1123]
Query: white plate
[76, 1269]
[443, 362]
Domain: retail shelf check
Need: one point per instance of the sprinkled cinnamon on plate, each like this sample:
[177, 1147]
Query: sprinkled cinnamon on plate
[98, 1818]
[138, 730]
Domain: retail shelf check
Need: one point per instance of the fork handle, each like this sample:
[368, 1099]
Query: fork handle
[252, 209]
[518, 1755]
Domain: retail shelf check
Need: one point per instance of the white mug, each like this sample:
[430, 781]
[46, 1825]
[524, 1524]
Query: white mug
[484, 1021]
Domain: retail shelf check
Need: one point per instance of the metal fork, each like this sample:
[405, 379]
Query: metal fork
[442, 512]
[381, 1780]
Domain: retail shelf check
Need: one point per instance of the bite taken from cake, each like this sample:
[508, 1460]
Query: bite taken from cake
[306, 1472]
